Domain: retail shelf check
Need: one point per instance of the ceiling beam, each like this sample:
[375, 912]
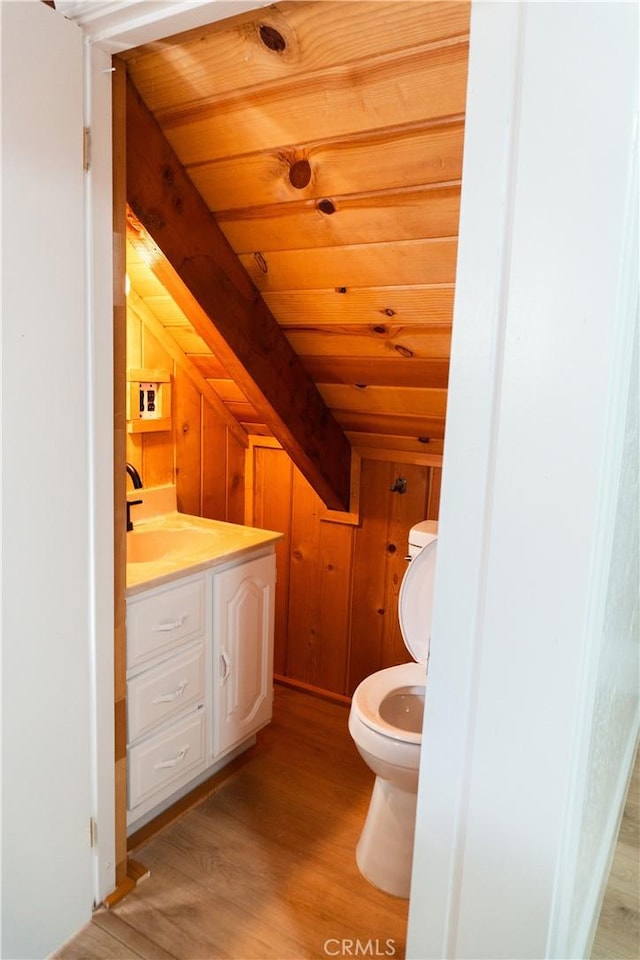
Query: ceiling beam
[213, 289]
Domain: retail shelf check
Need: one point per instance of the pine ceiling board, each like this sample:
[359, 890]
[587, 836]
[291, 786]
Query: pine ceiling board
[401, 371]
[407, 215]
[411, 426]
[412, 401]
[227, 390]
[189, 341]
[208, 366]
[402, 263]
[385, 159]
[230, 56]
[143, 281]
[244, 412]
[371, 305]
[361, 341]
[387, 442]
[375, 93]
[167, 311]
[256, 429]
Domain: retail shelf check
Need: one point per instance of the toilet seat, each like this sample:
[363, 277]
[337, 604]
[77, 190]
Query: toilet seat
[415, 602]
[369, 695]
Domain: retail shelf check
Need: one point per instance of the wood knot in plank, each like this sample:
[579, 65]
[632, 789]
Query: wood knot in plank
[300, 174]
[272, 38]
[260, 260]
[403, 351]
[326, 206]
[153, 221]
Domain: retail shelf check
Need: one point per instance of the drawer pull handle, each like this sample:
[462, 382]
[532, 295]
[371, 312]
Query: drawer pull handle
[164, 764]
[169, 625]
[226, 663]
[170, 697]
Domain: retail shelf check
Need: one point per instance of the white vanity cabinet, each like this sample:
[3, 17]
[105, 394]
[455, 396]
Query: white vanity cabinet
[243, 613]
[199, 677]
[166, 691]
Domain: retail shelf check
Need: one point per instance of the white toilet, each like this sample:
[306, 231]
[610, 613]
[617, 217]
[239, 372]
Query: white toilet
[386, 724]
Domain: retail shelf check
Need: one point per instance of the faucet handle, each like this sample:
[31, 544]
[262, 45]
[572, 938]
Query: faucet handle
[131, 503]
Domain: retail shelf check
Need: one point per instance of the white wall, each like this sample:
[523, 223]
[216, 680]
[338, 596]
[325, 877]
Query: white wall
[46, 861]
[531, 714]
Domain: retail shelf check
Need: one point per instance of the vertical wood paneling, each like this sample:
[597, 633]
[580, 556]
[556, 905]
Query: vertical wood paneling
[157, 448]
[433, 506]
[214, 465]
[200, 454]
[272, 497]
[338, 586]
[379, 564]
[319, 594]
[235, 454]
[187, 422]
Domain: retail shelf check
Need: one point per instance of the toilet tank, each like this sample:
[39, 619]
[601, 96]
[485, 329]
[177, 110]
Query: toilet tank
[421, 534]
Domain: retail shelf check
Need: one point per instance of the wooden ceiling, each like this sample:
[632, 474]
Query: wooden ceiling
[326, 140]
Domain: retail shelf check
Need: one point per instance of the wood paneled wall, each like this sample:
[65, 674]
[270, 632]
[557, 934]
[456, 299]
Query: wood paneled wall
[199, 454]
[338, 583]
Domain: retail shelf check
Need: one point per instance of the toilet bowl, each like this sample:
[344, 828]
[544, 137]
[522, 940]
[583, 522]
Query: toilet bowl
[385, 722]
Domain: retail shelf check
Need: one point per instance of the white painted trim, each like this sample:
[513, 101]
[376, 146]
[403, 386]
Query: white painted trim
[563, 941]
[119, 26]
[99, 271]
[526, 433]
[472, 427]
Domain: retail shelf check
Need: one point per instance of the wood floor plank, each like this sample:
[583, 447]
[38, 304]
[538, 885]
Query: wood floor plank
[264, 868]
[93, 943]
[128, 936]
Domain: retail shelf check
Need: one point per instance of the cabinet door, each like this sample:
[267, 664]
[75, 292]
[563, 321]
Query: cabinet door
[243, 651]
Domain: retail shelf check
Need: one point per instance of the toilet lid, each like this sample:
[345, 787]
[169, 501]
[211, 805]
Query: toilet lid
[415, 604]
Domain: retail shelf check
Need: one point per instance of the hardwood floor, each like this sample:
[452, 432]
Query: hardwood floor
[264, 867]
[618, 933]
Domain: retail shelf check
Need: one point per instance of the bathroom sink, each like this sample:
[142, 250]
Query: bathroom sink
[145, 546]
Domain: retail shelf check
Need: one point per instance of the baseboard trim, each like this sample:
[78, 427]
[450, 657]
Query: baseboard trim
[313, 691]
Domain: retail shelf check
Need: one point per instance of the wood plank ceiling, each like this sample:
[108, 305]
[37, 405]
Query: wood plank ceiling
[326, 139]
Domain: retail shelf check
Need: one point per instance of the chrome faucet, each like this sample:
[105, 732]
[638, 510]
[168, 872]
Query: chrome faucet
[137, 485]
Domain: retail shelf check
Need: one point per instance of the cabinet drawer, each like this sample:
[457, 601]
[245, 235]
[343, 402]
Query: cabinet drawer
[165, 691]
[161, 764]
[156, 623]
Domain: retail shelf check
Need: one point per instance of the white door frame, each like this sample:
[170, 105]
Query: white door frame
[536, 356]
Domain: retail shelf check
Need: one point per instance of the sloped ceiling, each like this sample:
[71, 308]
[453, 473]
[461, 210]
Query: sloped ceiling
[326, 139]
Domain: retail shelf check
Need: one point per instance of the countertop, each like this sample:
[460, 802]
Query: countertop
[200, 544]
